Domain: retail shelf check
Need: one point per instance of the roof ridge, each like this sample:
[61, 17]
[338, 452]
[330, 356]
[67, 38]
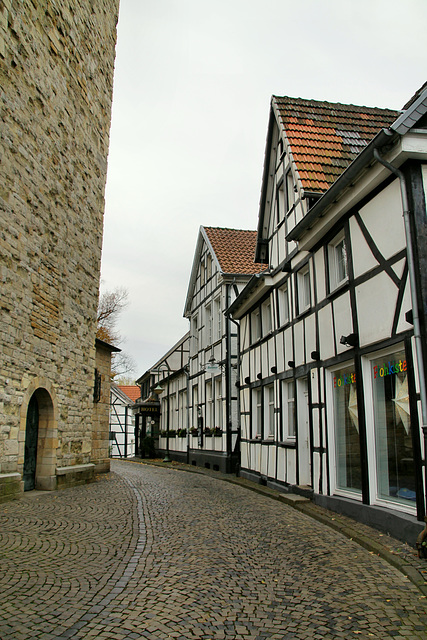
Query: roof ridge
[335, 104]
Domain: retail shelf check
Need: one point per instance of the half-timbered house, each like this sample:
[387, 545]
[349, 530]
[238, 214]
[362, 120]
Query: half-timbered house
[122, 420]
[333, 333]
[223, 264]
[162, 412]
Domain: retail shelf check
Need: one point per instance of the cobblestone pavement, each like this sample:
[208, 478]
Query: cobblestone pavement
[155, 553]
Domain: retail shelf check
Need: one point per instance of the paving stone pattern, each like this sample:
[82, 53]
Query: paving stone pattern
[156, 553]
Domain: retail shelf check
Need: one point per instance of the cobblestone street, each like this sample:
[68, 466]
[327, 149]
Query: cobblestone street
[149, 552]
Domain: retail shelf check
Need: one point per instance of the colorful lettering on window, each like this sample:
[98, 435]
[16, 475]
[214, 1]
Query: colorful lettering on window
[346, 378]
[389, 369]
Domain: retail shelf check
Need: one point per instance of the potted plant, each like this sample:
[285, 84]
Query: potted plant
[194, 431]
[217, 431]
[207, 432]
[182, 433]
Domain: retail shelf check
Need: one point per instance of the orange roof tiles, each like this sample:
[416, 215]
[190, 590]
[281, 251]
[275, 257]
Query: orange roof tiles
[235, 250]
[326, 137]
[132, 391]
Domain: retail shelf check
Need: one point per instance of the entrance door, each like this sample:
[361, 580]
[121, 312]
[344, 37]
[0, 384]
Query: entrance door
[31, 438]
[303, 431]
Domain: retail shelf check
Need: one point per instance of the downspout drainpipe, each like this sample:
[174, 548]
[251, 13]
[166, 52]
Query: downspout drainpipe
[415, 310]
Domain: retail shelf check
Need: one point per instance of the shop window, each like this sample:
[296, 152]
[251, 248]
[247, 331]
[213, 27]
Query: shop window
[337, 262]
[392, 423]
[288, 410]
[303, 289]
[346, 427]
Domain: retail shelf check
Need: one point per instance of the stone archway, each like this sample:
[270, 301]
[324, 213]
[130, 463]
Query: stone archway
[39, 422]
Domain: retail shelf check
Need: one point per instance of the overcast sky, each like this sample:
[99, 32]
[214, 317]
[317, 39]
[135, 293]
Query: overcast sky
[193, 83]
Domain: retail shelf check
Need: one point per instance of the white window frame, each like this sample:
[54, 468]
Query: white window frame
[217, 320]
[255, 325]
[370, 433]
[284, 307]
[336, 257]
[257, 416]
[269, 411]
[330, 413]
[266, 317]
[208, 324]
[304, 289]
[209, 416]
[288, 405]
[218, 403]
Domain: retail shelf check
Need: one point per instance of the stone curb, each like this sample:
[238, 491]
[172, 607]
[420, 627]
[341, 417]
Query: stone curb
[304, 505]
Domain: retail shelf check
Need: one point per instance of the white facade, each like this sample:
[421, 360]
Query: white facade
[122, 424]
[330, 392]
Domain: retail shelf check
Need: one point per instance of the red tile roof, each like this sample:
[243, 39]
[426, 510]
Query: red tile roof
[235, 250]
[325, 137]
[132, 391]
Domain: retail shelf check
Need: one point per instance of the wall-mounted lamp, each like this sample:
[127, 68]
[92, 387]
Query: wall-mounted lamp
[247, 380]
[350, 341]
[315, 355]
[259, 375]
[273, 369]
[291, 364]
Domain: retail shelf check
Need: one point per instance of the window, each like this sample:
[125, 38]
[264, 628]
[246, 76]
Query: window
[266, 318]
[393, 433]
[218, 403]
[255, 326]
[195, 333]
[209, 406]
[283, 305]
[346, 429]
[256, 413]
[280, 202]
[208, 324]
[217, 318]
[303, 288]
[290, 192]
[288, 410]
[337, 262]
[269, 411]
[182, 409]
[195, 403]
[202, 273]
[208, 267]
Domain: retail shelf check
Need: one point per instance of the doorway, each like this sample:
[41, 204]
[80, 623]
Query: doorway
[31, 440]
[303, 431]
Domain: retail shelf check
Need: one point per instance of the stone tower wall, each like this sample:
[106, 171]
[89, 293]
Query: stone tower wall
[56, 79]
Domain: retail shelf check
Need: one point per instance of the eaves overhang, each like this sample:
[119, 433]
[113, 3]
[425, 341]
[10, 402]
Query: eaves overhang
[256, 288]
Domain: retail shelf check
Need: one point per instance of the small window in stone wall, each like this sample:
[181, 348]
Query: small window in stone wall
[97, 387]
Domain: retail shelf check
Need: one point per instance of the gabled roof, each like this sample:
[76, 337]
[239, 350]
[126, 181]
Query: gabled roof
[232, 250]
[133, 392]
[325, 137]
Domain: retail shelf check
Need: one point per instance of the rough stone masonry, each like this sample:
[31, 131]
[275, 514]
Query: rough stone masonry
[56, 79]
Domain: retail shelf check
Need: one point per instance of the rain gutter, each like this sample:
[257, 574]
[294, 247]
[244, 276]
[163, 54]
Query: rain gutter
[413, 285]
